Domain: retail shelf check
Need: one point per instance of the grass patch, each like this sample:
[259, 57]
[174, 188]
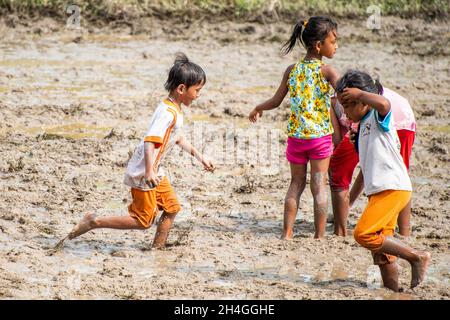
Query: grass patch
[241, 9]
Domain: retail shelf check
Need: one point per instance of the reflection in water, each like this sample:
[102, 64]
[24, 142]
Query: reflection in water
[74, 131]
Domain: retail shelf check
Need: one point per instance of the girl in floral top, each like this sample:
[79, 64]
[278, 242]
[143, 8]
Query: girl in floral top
[310, 127]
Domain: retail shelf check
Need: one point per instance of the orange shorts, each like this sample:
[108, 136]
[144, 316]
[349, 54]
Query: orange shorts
[146, 204]
[379, 220]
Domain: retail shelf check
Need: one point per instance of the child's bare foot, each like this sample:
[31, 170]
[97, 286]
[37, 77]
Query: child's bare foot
[86, 224]
[287, 235]
[158, 246]
[160, 238]
[419, 269]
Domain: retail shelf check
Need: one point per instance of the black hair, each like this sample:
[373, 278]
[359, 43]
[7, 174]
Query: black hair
[184, 72]
[310, 31]
[360, 80]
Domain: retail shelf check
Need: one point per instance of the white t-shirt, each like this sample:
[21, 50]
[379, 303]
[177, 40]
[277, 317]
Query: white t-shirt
[379, 155]
[164, 130]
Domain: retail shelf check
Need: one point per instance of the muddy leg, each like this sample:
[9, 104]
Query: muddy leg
[419, 260]
[404, 220]
[291, 202]
[389, 274]
[340, 202]
[162, 231]
[357, 189]
[91, 221]
[319, 169]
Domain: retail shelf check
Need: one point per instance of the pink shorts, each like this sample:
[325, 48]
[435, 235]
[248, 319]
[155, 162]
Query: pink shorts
[300, 151]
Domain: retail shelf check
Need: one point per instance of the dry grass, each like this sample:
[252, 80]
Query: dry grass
[241, 9]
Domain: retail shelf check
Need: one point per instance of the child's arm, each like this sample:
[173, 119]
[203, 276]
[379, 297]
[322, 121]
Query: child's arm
[357, 189]
[337, 135]
[330, 74]
[275, 101]
[186, 146]
[150, 175]
[376, 101]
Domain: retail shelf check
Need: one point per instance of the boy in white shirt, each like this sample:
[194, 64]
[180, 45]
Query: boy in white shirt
[150, 188]
[386, 180]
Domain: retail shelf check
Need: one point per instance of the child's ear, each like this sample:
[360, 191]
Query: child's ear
[317, 46]
[181, 89]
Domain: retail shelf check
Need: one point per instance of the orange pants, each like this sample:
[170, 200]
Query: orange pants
[146, 204]
[379, 220]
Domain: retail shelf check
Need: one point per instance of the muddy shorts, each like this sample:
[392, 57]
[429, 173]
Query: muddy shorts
[379, 220]
[146, 204]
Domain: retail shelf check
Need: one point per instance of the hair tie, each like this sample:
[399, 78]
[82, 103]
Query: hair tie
[305, 23]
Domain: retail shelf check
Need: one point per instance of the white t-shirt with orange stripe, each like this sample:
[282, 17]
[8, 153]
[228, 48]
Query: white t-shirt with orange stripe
[164, 130]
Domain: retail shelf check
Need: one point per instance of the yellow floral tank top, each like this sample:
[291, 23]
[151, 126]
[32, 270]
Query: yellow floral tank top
[310, 96]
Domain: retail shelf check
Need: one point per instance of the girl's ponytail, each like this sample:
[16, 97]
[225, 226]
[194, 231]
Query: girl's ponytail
[309, 31]
[296, 34]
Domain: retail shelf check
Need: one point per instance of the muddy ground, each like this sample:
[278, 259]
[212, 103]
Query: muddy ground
[74, 104]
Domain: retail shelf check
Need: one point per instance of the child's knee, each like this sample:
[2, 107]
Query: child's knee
[318, 181]
[320, 198]
[299, 182]
[362, 237]
[338, 188]
[320, 194]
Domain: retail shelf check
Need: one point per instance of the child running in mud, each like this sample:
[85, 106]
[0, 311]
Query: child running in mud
[150, 188]
[310, 127]
[344, 160]
[386, 180]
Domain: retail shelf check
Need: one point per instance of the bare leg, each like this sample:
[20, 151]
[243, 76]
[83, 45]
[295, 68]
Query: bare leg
[389, 274]
[419, 260]
[162, 231]
[91, 221]
[403, 220]
[357, 189]
[340, 201]
[291, 202]
[319, 170]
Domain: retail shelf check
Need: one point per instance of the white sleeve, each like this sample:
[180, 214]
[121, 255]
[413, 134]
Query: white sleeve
[162, 120]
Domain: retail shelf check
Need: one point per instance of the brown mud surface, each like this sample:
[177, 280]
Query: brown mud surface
[75, 103]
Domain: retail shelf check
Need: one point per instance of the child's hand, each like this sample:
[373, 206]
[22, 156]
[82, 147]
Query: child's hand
[254, 115]
[151, 179]
[352, 135]
[351, 94]
[209, 166]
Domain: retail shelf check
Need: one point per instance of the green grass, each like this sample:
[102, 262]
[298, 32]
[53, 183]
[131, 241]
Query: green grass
[110, 9]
